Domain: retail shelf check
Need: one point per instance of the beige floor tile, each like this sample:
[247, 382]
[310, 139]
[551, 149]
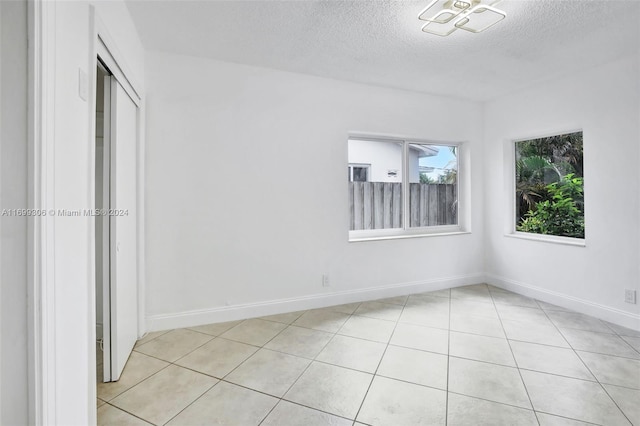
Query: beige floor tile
[322, 319]
[163, 395]
[472, 293]
[534, 333]
[633, 341]
[485, 387]
[397, 300]
[429, 302]
[368, 328]
[215, 329]
[514, 299]
[412, 365]
[445, 293]
[174, 344]
[391, 402]
[477, 325]
[623, 331]
[426, 316]
[349, 352]
[226, 404]
[286, 318]
[523, 314]
[347, 308]
[550, 359]
[551, 307]
[289, 414]
[423, 338]
[269, 372]
[576, 399]
[464, 411]
[109, 415]
[332, 389]
[299, 341]
[488, 381]
[150, 336]
[628, 400]
[477, 309]
[550, 420]
[481, 348]
[578, 321]
[613, 370]
[603, 343]
[138, 368]
[378, 310]
[218, 357]
[255, 332]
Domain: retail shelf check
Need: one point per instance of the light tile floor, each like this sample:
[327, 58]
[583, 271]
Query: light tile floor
[474, 355]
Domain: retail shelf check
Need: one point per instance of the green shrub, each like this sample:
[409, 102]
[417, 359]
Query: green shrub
[561, 215]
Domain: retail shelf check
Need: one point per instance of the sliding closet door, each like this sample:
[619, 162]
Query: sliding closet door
[123, 198]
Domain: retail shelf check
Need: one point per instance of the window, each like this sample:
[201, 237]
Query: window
[401, 188]
[359, 172]
[549, 186]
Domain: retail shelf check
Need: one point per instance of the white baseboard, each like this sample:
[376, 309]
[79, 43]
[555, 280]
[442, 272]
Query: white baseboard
[613, 315]
[272, 307]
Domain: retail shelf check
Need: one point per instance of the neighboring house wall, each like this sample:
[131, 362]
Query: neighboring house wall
[383, 158]
[223, 230]
[604, 103]
[13, 230]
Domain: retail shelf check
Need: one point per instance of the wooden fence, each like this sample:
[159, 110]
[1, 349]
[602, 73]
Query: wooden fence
[378, 205]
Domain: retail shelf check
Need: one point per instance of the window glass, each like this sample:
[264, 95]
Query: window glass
[433, 185]
[549, 187]
[375, 190]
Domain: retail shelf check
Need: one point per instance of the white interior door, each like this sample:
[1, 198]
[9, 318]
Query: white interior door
[123, 288]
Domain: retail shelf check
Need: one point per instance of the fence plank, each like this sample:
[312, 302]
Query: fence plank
[414, 204]
[358, 204]
[433, 205]
[424, 206]
[397, 206]
[351, 208]
[451, 215]
[378, 205]
[378, 209]
[367, 217]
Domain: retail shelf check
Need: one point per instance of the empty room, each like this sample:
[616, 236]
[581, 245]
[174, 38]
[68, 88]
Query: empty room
[320, 212]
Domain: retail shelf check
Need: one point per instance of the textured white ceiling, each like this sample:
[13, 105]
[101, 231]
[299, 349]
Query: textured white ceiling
[379, 42]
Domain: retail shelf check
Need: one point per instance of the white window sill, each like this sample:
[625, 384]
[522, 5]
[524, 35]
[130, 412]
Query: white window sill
[399, 235]
[567, 241]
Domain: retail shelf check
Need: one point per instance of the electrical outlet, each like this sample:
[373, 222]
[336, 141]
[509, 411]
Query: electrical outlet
[630, 296]
[325, 280]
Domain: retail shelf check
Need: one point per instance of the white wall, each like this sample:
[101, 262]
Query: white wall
[73, 159]
[13, 230]
[224, 229]
[604, 103]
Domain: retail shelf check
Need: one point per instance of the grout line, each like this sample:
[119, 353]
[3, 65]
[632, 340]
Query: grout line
[375, 373]
[524, 385]
[388, 343]
[306, 368]
[123, 410]
[589, 369]
[446, 401]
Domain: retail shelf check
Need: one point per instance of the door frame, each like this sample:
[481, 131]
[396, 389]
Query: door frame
[42, 336]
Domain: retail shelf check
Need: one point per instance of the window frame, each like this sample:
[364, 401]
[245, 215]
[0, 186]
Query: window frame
[511, 230]
[406, 231]
[362, 166]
